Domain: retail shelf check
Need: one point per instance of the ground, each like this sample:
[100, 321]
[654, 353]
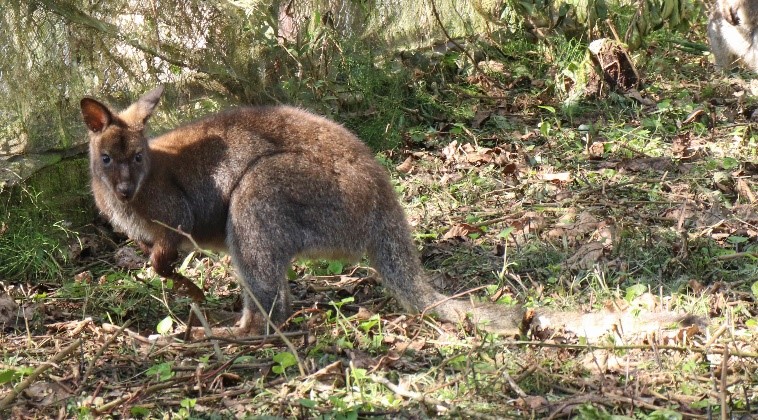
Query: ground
[641, 202]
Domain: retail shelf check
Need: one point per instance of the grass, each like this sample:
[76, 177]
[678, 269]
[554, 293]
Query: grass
[515, 205]
[27, 251]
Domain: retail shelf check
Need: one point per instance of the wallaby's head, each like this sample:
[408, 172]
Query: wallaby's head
[119, 154]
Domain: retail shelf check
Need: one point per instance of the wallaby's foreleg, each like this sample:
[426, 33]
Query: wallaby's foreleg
[163, 254]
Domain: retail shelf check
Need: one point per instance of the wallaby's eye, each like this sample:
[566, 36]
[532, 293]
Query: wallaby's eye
[138, 157]
[106, 159]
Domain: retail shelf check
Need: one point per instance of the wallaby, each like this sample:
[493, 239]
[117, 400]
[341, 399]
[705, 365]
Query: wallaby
[733, 33]
[265, 184]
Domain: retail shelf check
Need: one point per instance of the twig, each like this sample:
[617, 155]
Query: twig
[719, 332]
[619, 185]
[440, 302]
[737, 255]
[514, 386]
[722, 385]
[207, 328]
[73, 14]
[142, 392]
[457, 45]
[255, 339]
[62, 355]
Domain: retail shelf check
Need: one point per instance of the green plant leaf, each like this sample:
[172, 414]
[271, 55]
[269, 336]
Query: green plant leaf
[162, 371]
[505, 233]
[730, 163]
[165, 326]
[139, 411]
[7, 375]
[335, 267]
[283, 360]
[307, 403]
[544, 127]
[737, 239]
[188, 402]
[547, 108]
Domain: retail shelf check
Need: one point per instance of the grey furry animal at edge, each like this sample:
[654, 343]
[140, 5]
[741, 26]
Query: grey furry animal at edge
[733, 33]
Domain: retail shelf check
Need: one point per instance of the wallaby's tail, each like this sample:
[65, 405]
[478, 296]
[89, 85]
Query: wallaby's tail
[394, 255]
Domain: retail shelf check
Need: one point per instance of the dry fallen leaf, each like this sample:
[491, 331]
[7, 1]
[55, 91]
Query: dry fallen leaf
[450, 151]
[697, 287]
[681, 145]
[8, 310]
[655, 164]
[45, 393]
[558, 177]
[596, 150]
[694, 116]
[462, 230]
[744, 190]
[532, 402]
[480, 118]
[586, 256]
[407, 166]
[363, 314]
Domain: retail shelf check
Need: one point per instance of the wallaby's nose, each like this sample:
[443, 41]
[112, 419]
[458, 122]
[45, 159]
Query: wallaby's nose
[124, 191]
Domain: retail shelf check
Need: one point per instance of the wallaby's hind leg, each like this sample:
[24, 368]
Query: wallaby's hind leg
[261, 257]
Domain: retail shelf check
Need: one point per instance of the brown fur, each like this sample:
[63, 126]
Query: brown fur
[264, 184]
[733, 33]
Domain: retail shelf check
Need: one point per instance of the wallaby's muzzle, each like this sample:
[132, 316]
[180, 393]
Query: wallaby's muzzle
[125, 191]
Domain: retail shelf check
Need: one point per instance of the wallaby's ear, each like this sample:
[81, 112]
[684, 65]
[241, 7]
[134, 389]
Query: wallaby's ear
[96, 115]
[139, 112]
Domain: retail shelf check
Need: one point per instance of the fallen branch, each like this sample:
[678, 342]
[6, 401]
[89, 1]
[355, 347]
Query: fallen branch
[405, 393]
